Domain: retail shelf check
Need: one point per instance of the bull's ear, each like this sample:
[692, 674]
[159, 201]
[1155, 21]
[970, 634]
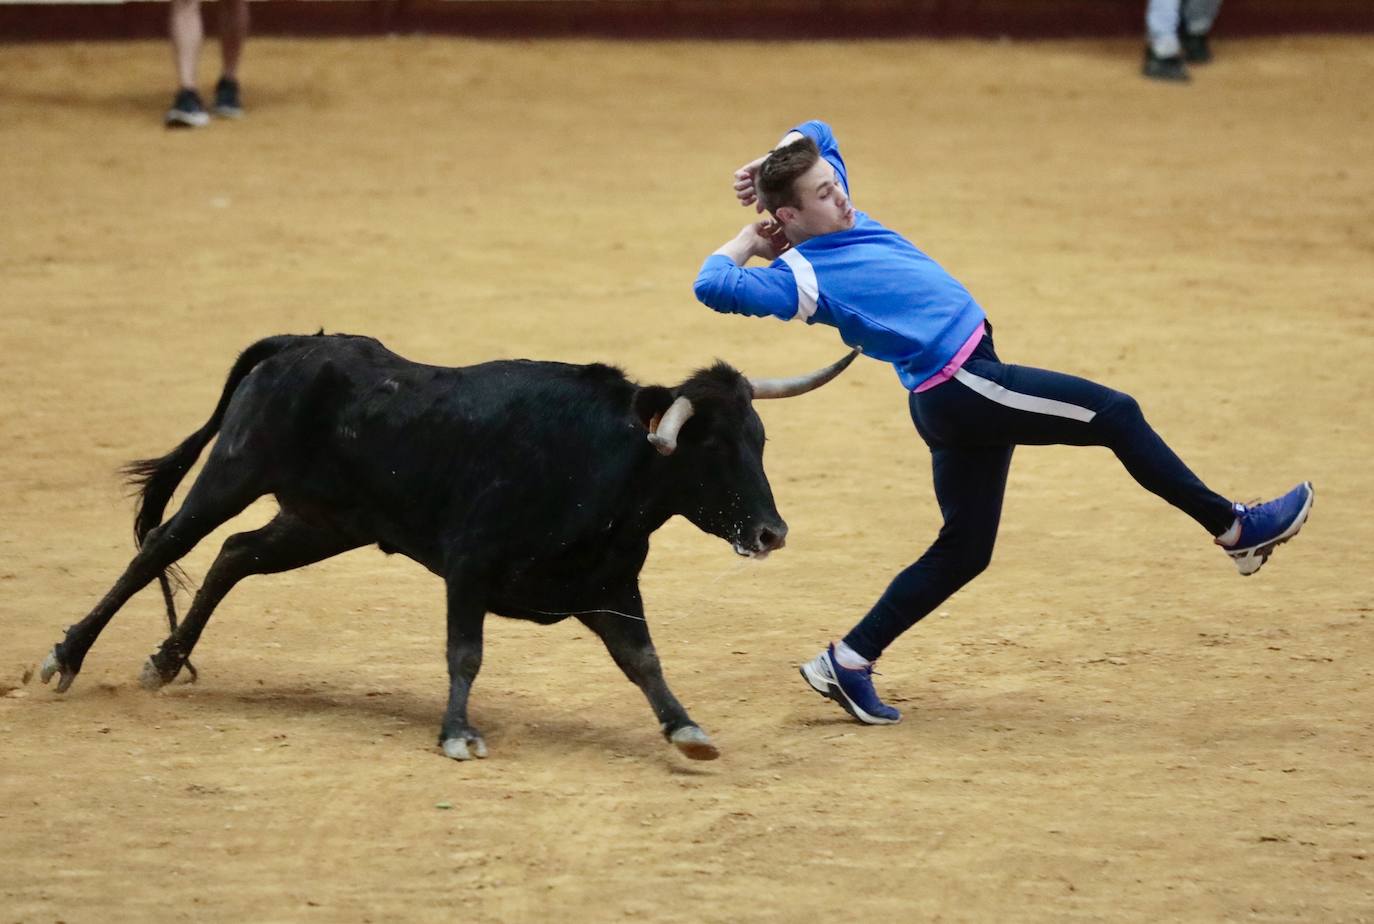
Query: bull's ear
[650, 403]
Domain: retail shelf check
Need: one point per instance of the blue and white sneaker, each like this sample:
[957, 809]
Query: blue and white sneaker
[852, 689]
[1265, 526]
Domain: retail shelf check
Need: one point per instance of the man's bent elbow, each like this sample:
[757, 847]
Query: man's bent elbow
[709, 293]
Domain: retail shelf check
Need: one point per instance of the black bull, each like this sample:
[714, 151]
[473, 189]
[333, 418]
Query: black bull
[531, 488]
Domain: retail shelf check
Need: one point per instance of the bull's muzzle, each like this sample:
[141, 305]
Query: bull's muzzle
[762, 539]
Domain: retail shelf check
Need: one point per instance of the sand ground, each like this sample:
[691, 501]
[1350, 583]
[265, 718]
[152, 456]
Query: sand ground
[1110, 725]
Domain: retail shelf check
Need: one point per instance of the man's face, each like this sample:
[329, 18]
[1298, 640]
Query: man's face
[824, 207]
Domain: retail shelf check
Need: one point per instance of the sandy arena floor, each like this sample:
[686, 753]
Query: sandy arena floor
[1110, 725]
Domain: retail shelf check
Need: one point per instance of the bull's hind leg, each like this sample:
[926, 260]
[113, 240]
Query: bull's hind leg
[219, 493]
[626, 636]
[286, 543]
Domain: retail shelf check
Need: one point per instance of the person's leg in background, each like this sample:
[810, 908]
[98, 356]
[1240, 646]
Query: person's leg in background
[233, 34]
[1194, 27]
[187, 35]
[1163, 51]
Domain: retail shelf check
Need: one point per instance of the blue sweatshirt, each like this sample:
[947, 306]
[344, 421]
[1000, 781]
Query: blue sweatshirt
[883, 295]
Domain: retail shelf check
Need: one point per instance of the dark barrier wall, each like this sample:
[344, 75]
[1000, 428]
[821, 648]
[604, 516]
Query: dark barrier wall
[717, 19]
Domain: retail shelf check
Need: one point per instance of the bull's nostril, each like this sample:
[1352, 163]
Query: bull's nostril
[772, 539]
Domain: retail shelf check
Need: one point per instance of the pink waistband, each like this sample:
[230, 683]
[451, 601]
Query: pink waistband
[953, 366]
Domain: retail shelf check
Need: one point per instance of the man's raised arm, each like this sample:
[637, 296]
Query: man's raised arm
[725, 285]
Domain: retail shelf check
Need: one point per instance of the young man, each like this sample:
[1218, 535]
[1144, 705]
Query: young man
[837, 266]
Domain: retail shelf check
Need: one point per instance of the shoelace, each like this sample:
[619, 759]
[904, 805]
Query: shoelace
[869, 671]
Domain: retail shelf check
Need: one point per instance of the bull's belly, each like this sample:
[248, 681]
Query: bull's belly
[365, 527]
[598, 574]
[543, 617]
[547, 609]
[548, 592]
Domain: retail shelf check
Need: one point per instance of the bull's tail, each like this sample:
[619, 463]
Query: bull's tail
[155, 480]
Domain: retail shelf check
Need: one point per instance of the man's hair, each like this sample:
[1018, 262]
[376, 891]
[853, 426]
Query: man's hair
[776, 182]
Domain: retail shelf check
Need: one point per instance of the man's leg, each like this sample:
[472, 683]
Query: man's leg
[996, 401]
[1029, 406]
[969, 485]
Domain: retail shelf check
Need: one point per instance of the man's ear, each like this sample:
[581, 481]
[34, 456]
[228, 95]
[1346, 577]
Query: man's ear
[784, 214]
[650, 403]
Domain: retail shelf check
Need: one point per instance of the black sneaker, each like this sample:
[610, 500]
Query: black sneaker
[1170, 68]
[187, 111]
[1195, 48]
[227, 104]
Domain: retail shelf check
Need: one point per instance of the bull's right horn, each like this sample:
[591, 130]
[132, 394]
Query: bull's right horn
[664, 436]
[801, 384]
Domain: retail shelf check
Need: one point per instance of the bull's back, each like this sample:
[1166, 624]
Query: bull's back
[372, 373]
[412, 452]
[471, 430]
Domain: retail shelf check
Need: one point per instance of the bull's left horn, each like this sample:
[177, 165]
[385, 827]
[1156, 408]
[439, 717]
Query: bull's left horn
[801, 384]
[664, 436]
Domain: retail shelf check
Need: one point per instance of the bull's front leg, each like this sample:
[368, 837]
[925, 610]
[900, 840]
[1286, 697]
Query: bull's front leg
[458, 739]
[626, 636]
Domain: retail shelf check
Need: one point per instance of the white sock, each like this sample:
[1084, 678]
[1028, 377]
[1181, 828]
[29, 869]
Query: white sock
[849, 658]
[1232, 535]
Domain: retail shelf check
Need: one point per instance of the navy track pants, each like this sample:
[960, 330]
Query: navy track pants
[971, 424]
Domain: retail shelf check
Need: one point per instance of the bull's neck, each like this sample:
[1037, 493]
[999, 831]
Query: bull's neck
[651, 495]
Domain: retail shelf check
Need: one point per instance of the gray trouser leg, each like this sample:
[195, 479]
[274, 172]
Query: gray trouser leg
[1162, 19]
[1198, 15]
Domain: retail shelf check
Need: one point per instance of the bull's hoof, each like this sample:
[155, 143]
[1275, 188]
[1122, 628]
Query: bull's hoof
[693, 742]
[53, 666]
[151, 678]
[465, 748]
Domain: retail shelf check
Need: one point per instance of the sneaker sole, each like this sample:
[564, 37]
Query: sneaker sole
[830, 690]
[1249, 561]
[186, 120]
[229, 112]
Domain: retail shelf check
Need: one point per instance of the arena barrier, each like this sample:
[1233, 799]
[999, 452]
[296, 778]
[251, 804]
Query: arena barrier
[710, 19]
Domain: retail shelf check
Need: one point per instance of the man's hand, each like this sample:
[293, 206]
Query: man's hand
[746, 176]
[756, 239]
[744, 183]
[771, 241]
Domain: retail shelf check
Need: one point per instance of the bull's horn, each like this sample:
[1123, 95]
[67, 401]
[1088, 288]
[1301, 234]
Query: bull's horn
[801, 384]
[664, 436]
